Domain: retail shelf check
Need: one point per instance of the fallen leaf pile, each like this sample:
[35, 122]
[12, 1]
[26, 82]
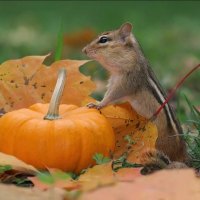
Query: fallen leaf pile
[101, 182]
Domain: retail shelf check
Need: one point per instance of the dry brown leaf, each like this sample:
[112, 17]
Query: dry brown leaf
[19, 169]
[16, 164]
[97, 176]
[165, 185]
[27, 81]
[103, 175]
[125, 121]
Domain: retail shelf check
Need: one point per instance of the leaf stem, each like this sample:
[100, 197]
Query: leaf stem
[53, 112]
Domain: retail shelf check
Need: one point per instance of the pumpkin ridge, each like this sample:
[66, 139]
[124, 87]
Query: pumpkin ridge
[63, 134]
[89, 127]
[77, 166]
[51, 143]
[47, 139]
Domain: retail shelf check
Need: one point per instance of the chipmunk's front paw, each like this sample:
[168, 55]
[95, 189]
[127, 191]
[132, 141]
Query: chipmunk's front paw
[93, 105]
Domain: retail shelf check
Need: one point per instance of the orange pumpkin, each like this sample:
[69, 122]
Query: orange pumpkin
[67, 141]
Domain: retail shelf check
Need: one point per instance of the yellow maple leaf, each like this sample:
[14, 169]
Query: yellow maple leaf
[26, 81]
[133, 132]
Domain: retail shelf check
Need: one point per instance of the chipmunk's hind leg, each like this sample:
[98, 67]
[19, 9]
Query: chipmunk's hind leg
[154, 160]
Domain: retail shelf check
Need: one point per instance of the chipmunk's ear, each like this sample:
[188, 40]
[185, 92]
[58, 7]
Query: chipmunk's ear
[125, 30]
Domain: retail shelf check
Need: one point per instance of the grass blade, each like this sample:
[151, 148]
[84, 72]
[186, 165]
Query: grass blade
[59, 45]
[191, 108]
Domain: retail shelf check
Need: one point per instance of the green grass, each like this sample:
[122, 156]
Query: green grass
[59, 46]
[192, 135]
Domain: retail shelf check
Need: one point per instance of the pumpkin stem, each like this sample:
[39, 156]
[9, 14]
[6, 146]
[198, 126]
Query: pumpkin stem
[53, 112]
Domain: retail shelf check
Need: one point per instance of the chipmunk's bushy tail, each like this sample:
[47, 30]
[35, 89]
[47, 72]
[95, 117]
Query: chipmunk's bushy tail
[154, 160]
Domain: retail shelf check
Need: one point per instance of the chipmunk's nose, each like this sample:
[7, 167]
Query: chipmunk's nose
[84, 50]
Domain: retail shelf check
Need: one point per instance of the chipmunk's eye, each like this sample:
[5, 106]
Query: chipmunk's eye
[103, 39]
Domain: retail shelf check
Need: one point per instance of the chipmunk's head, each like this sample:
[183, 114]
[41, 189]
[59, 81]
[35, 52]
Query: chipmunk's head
[114, 49]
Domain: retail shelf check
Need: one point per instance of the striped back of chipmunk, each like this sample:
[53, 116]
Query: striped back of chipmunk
[160, 96]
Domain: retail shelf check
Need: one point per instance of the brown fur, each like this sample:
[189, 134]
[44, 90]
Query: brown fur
[133, 80]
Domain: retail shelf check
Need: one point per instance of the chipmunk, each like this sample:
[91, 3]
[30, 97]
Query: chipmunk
[133, 80]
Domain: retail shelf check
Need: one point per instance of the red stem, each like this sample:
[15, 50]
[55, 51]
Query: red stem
[171, 94]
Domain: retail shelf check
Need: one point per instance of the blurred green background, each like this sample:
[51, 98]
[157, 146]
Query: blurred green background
[168, 31]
